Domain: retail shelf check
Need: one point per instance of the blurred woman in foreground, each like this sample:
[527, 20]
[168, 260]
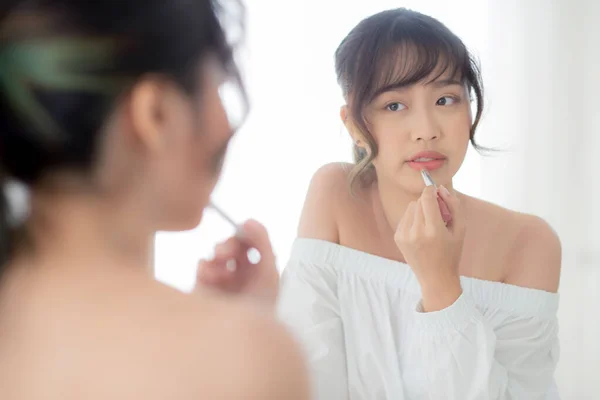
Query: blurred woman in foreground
[110, 114]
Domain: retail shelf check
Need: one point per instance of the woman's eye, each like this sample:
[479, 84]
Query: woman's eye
[446, 101]
[395, 106]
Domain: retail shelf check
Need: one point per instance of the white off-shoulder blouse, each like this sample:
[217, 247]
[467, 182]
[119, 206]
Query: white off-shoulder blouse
[357, 317]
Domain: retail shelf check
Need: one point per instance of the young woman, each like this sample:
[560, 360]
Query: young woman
[391, 300]
[110, 113]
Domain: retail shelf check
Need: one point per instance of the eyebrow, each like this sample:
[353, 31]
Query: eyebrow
[439, 83]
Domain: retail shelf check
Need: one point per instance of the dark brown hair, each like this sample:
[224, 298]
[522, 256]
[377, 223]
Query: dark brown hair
[396, 48]
[65, 63]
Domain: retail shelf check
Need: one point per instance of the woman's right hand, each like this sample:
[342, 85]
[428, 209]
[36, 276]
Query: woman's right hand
[432, 248]
[230, 271]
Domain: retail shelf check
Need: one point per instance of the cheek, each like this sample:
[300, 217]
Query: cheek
[213, 115]
[390, 139]
[456, 125]
[458, 140]
[463, 133]
[390, 127]
[186, 165]
[203, 152]
[213, 124]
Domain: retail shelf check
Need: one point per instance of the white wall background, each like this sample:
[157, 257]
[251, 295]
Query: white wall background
[541, 67]
[544, 77]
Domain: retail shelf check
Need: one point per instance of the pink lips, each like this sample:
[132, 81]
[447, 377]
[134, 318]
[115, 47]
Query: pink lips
[429, 160]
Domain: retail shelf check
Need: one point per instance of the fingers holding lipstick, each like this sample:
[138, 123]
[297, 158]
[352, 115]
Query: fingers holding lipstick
[431, 208]
[431, 247]
[243, 265]
[451, 200]
[222, 269]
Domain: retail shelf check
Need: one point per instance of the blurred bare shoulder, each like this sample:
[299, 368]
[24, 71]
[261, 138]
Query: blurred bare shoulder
[235, 350]
[134, 337]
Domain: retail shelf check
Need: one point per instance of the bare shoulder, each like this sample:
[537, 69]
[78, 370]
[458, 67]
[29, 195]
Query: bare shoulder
[146, 340]
[238, 351]
[537, 254]
[534, 249]
[327, 193]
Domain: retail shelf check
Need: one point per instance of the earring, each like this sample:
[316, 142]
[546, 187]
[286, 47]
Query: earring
[362, 152]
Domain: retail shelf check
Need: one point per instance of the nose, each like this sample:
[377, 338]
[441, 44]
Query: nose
[425, 126]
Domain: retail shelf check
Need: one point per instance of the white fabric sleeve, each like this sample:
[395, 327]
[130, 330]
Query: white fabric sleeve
[308, 305]
[465, 359]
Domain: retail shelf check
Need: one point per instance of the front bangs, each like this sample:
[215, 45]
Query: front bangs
[410, 63]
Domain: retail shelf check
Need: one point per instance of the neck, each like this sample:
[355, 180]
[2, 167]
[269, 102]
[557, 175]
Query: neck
[395, 200]
[88, 231]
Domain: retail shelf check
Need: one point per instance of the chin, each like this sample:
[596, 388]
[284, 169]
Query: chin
[411, 184]
[197, 218]
[183, 222]
[417, 189]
